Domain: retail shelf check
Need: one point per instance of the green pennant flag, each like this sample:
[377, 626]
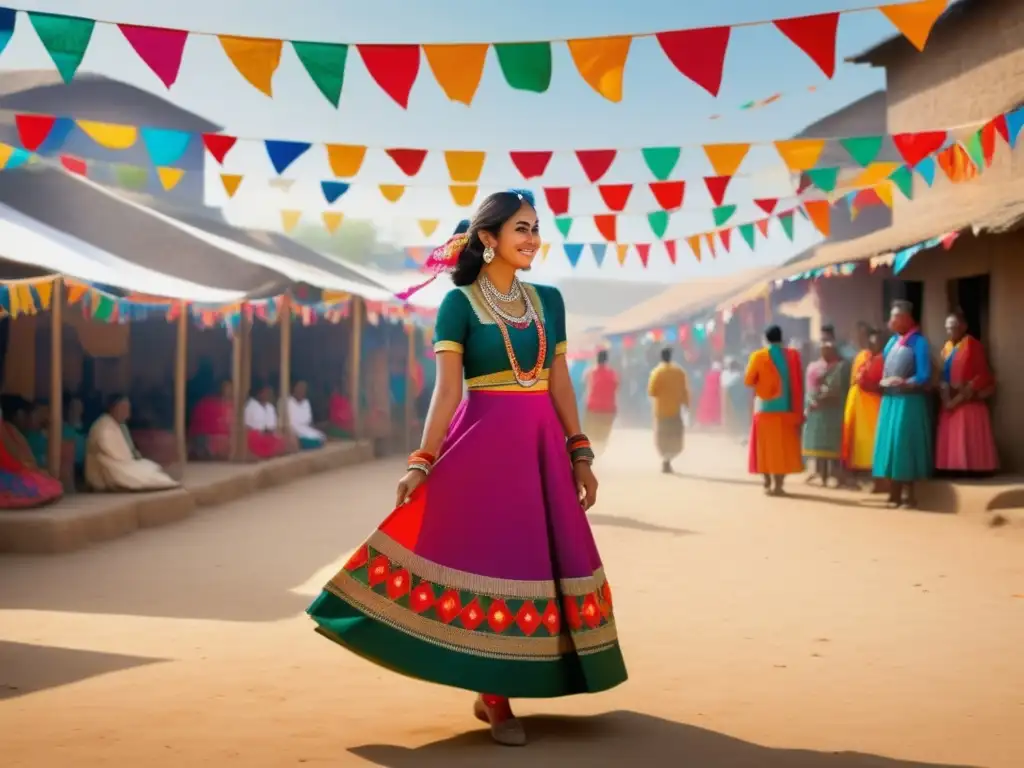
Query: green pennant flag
[131, 176]
[825, 179]
[661, 160]
[65, 38]
[526, 66]
[325, 65]
[102, 307]
[787, 224]
[723, 213]
[863, 149]
[659, 223]
[974, 149]
[747, 232]
[564, 224]
[903, 178]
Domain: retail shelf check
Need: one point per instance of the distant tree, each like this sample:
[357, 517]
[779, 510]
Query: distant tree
[356, 241]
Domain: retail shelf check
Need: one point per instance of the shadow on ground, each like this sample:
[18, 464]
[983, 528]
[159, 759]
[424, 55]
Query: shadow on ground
[28, 668]
[617, 739]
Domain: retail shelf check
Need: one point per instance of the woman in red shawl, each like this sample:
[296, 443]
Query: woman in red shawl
[210, 427]
[965, 441]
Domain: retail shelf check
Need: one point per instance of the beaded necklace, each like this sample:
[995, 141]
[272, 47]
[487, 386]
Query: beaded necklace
[523, 378]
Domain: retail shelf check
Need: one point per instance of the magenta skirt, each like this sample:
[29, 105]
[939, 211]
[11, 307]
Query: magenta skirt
[965, 442]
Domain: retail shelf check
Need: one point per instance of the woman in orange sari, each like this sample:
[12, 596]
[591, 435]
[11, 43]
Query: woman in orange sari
[22, 484]
[860, 418]
[210, 428]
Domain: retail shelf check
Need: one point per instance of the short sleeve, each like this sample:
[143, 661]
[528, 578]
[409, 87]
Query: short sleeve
[556, 306]
[922, 362]
[452, 324]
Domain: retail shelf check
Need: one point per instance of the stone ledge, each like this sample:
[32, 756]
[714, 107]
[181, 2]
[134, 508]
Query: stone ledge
[971, 496]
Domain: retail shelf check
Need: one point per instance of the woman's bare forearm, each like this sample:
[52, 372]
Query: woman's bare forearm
[443, 402]
[564, 396]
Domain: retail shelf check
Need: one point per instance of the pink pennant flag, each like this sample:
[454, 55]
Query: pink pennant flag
[161, 49]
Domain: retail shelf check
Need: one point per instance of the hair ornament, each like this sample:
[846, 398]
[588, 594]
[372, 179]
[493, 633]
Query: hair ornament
[442, 259]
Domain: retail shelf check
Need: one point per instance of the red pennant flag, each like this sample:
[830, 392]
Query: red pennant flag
[1002, 127]
[161, 49]
[394, 68]
[531, 164]
[915, 147]
[767, 204]
[615, 196]
[644, 251]
[74, 165]
[670, 249]
[218, 145]
[725, 235]
[815, 36]
[669, 194]
[558, 199]
[409, 161]
[996, 125]
[33, 129]
[698, 54]
[948, 240]
[762, 224]
[595, 162]
[717, 186]
[804, 184]
[605, 224]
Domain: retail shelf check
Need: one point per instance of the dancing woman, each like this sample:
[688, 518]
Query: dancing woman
[486, 576]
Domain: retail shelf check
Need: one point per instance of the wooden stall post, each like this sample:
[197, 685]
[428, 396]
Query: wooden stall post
[355, 354]
[284, 317]
[55, 438]
[410, 395]
[180, 383]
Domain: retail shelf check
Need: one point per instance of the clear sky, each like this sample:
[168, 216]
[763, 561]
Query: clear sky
[660, 106]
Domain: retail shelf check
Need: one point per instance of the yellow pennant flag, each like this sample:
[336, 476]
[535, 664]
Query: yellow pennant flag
[694, 243]
[169, 177]
[884, 192]
[621, 250]
[800, 154]
[465, 166]
[392, 192]
[874, 174]
[45, 292]
[290, 220]
[429, 226]
[544, 248]
[726, 158]
[6, 150]
[255, 58]
[231, 181]
[457, 68]
[463, 194]
[601, 61]
[332, 221]
[75, 291]
[109, 135]
[915, 20]
[345, 159]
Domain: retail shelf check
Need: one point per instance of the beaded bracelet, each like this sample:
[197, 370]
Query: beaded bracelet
[577, 441]
[419, 467]
[421, 461]
[585, 455]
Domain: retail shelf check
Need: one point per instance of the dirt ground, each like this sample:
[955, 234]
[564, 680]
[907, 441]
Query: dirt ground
[814, 632]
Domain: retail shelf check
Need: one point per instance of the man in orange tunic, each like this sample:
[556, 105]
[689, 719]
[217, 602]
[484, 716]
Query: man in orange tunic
[774, 373]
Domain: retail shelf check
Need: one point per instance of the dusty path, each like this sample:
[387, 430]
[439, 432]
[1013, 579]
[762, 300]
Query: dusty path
[759, 633]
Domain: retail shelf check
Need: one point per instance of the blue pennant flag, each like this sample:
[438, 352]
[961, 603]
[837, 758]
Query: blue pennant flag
[1014, 123]
[8, 16]
[284, 153]
[333, 190]
[926, 169]
[573, 251]
[599, 249]
[165, 146]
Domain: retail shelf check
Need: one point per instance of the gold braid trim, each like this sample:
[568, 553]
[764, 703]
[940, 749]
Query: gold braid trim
[449, 346]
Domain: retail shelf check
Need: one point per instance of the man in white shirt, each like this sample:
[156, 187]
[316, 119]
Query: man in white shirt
[300, 418]
[264, 439]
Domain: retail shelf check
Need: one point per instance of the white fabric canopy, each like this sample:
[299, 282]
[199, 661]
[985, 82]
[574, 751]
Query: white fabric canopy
[27, 241]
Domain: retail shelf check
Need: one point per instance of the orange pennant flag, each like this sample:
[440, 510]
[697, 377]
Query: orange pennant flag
[601, 61]
[820, 213]
[290, 220]
[709, 238]
[915, 20]
[465, 166]
[392, 192]
[169, 177]
[231, 181]
[463, 194]
[457, 69]
[800, 154]
[726, 158]
[694, 243]
[544, 248]
[884, 192]
[345, 159]
[873, 174]
[332, 220]
[255, 58]
[621, 249]
[429, 226]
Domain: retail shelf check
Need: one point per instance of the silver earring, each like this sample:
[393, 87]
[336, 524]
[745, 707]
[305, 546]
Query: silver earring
[488, 255]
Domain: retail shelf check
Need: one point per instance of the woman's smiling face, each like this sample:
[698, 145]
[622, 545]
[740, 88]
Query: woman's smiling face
[519, 238]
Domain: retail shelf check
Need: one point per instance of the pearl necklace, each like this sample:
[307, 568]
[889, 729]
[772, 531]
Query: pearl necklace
[514, 293]
[492, 298]
[525, 379]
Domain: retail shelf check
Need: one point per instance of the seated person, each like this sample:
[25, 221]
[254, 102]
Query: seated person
[341, 420]
[263, 437]
[112, 462]
[210, 429]
[22, 484]
[37, 435]
[300, 418]
[74, 428]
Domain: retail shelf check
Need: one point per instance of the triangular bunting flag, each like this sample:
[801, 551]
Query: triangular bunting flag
[815, 36]
[75, 165]
[694, 242]
[558, 199]
[915, 20]
[531, 164]
[345, 159]
[1014, 123]
[670, 249]
[606, 227]
[661, 161]
[110, 135]
[643, 250]
[332, 220]
[915, 147]
[599, 250]
[409, 161]
[573, 251]
[659, 223]
[595, 162]
[65, 38]
[786, 219]
[825, 179]
[169, 177]
[725, 235]
[290, 220]
[392, 192]
[615, 196]
[283, 153]
[726, 158]
[709, 239]
[325, 65]
[800, 154]
[8, 18]
[669, 194]
[429, 226]
[165, 146]
[698, 54]
[762, 226]
[621, 249]
[863, 149]
[218, 145]
[160, 49]
[601, 62]
[526, 66]
[13, 157]
[974, 149]
[255, 58]
[884, 193]
[281, 185]
[544, 248]
[457, 68]
[333, 190]
[926, 169]
[463, 194]
[748, 234]
[989, 132]
[231, 182]
[465, 166]
[564, 224]
[820, 214]
[717, 187]
[722, 214]
[33, 130]
[767, 205]
[394, 68]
